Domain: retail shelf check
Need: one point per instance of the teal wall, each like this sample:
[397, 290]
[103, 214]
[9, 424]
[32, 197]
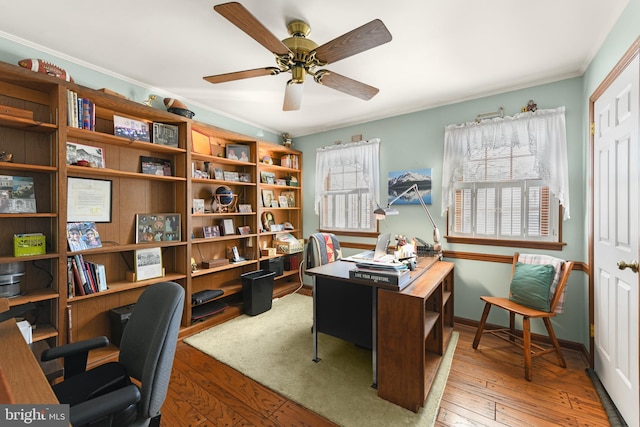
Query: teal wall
[414, 141]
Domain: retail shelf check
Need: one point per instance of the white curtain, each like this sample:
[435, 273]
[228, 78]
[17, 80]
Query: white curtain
[540, 134]
[363, 154]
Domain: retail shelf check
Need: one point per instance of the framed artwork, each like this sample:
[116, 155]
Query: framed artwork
[283, 201]
[227, 227]
[291, 198]
[77, 154]
[157, 227]
[133, 130]
[245, 208]
[164, 134]
[400, 181]
[211, 231]
[218, 173]
[83, 235]
[237, 152]
[148, 263]
[155, 166]
[231, 176]
[267, 198]
[267, 177]
[17, 194]
[244, 177]
[88, 200]
[268, 220]
[244, 230]
[198, 206]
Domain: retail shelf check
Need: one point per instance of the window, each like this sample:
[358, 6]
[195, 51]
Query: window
[505, 179]
[347, 187]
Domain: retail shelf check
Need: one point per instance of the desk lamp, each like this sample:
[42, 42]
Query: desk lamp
[381, 213]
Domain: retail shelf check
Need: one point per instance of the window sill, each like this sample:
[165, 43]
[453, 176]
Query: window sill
[551, 246]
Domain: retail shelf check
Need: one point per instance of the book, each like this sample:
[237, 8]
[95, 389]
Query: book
[399, 278]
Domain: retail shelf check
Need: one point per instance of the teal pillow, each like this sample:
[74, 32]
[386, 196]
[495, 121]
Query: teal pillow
[531, 285]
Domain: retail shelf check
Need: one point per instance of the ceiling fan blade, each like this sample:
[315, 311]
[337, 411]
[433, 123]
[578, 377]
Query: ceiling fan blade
[363, 38]
[292, 96]
[347, 85]
[239, 75]
[243, 19]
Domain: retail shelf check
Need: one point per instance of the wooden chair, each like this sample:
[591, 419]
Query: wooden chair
[523, 340]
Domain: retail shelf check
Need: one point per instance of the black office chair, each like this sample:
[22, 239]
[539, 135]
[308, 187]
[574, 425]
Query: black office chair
[105, 395]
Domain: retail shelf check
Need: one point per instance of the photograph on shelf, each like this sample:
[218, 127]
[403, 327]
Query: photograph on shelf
[267, 198]
[201, 143]
[88, 200]
[85, 155]
[283, 201]
[245, 208]
[164, 134]
[231, 176]
[198, 206]
[244, 177]
[267, 177]
[17, 194]
[133, 130]
[148, 263]
[227, 227]
[281, 181]
[211, 231]
[155, 166]
[83, 235]
[218, 173]
[237, 152]
[290, 197]
[268, 220]
[157, 227]
[244, 230]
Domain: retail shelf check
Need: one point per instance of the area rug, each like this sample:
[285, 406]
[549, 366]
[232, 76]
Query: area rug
[275, 348]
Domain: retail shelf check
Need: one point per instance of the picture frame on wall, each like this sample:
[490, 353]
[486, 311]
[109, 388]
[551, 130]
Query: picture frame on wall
[148, 263]
[158, 227]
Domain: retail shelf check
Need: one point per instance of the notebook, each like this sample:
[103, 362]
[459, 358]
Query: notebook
[380, 251]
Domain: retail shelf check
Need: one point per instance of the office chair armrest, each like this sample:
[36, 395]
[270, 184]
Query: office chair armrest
[113, 402]
[75, 354]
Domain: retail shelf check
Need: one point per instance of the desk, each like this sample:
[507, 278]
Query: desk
[21, 378]
[406, 330]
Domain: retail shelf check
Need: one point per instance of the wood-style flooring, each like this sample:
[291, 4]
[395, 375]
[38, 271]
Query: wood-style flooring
[486, 387]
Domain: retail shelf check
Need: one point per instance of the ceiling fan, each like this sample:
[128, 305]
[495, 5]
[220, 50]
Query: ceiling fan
[301, 56]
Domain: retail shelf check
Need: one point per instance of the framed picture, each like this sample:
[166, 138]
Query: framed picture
[198, 206]
[268, 220]
[283, 201]
[155, 166]
[211, 231]
[17, 194]
[237, 152]
[267, 177]
[157, 227]
[244, 177]
[290, 197]
[244, 230]
[267, 198]
[83, 235]
[133, 130]
[148, 263]
[245, 208]
[164, 134]
[227, 227]
[79, 153]
[231, 176]
[399, 181]
[218, 173]
[88, 200]
[281, 181]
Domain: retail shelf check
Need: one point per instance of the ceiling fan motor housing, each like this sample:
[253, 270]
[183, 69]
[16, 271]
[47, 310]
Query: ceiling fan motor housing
[300, 47]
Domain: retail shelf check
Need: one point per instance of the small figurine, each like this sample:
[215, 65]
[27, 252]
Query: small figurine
[531, 106]
[6, 157]
[286, 140]
[149, 101]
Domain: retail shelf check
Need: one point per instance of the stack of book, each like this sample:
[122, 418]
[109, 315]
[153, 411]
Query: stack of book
[394, 277]
[81, 111]
[85, 277]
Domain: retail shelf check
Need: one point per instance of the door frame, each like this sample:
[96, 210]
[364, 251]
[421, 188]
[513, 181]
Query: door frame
[615, 72]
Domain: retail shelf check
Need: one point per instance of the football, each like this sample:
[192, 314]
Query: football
[44, 67]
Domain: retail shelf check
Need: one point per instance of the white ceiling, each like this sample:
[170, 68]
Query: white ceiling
[442, 51]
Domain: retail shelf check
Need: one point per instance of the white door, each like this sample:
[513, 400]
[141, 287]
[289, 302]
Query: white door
[615, 239]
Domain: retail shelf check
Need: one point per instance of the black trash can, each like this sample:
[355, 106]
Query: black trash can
[257, 291]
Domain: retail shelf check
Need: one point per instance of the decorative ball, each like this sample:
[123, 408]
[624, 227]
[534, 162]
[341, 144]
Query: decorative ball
[225, 195]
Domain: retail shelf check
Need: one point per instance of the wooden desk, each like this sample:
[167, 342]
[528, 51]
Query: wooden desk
[409, 329]
[21, 378]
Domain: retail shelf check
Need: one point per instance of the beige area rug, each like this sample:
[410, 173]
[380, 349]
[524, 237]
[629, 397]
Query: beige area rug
[275, 348]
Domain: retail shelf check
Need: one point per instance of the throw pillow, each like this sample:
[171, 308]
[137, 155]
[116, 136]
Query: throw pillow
[531, 285]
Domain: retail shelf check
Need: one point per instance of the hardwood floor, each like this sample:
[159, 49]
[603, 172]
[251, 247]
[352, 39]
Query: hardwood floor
[485, 388]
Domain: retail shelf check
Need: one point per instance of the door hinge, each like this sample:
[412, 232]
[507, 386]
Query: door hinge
[592, 329]
[592, 128]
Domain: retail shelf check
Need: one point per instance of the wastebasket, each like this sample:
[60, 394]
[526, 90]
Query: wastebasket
[257, 291]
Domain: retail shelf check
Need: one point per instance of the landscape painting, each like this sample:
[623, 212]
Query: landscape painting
[400, 181]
